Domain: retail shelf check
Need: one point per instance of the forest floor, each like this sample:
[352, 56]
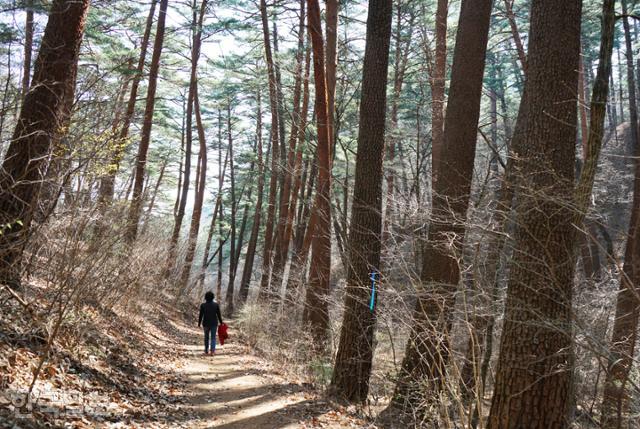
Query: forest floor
[132, 372]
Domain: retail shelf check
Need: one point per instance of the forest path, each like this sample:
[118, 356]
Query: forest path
[236, 390]
[233, 390]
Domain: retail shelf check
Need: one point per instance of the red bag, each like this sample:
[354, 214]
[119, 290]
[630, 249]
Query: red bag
[222, 333]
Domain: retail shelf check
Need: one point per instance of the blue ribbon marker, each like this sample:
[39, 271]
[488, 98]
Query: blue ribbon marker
[372, 302]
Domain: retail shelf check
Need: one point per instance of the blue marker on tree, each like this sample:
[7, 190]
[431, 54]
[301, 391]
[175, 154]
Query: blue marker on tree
[372, 302]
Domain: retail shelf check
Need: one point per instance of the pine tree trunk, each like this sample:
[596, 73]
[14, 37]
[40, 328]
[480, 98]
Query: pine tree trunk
[199, 198]
[331, 63]
[40, 118]
[28, 48]
[107, 182]
[233, 261]
[533, 375]
[154, 194]
[299, 173]
[515, 33]
[197, 21]
[438, 84]
[615, 404]
[265, 285]
[141, 160]
[214, 217]
[282, 247]
[427, 351]
[247, 270]
[400, 65]
[355, 352]
[316, 306]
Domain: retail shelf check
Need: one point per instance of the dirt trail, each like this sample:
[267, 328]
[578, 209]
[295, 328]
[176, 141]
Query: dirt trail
[229, 390]
[236, 390]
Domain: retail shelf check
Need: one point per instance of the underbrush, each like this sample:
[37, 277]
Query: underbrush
[281, 338]
[84, 343]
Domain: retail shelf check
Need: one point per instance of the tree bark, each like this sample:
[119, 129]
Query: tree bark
[267, 254]
[533, 375]
[28, 48]
[400, 66]
[282, 247]
[135, 208]
[247, 270]
[197, 21]
[299, 175]
[615, 404]
[154, 194]
[355, 352]
[438, 84]
[511, 17]
[316, 306]
[40, 118]
[428, 347]
[233, 261]
[199, 198]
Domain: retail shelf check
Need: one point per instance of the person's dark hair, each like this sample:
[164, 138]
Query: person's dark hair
[209, 296]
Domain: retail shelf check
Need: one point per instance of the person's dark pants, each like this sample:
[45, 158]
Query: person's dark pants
[210, 333]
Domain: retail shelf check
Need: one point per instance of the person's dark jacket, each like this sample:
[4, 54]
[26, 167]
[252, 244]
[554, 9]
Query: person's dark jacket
[209, 314]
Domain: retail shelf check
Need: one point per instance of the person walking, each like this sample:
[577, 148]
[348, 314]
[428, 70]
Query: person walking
[208, 319]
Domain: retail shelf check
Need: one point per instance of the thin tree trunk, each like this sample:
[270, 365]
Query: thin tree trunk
[214, 217]
[233, 261]
[135, 209]
[299, 176]
[40, 118]
[354, 359]
[303, 232]
[331, 62]
[273, 182]
[247, 270]
[5, 98]
[400, 66]
[282, 247]
[107, 182]
[438, 84]
[154, 194]
[176, 205]
[522, 56]
[620, 90]
[199, 198]
[197, 21]
[28, 48]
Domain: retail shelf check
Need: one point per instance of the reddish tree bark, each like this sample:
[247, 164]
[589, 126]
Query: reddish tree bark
[41, 116]
[316, 306]
[282, 243]
[511, 17]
